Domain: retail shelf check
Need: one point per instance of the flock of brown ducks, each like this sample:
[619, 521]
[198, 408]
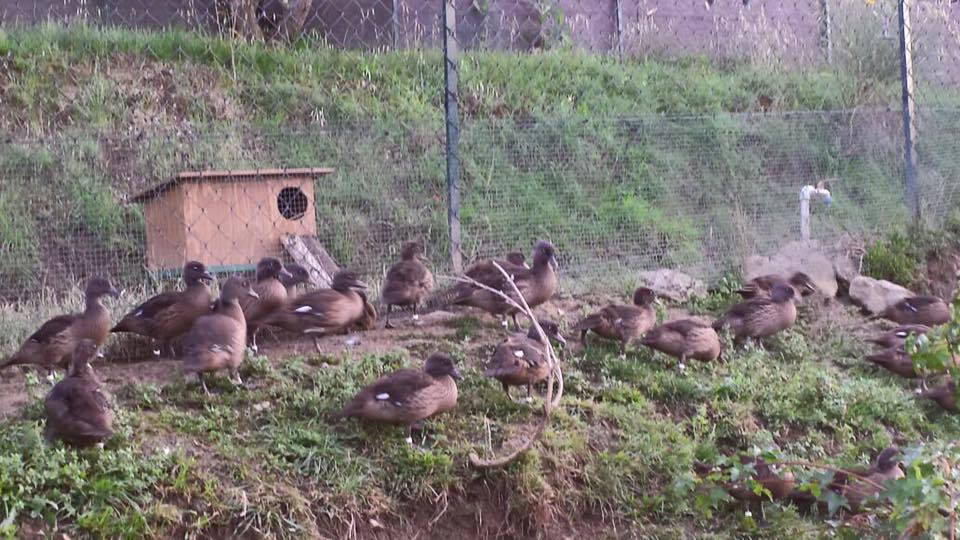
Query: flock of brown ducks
[216, 334]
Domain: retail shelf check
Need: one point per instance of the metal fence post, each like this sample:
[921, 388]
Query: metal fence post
[909, 110]
[618, 13]
[451, 107]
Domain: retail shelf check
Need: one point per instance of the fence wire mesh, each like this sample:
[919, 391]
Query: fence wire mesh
[634, 135]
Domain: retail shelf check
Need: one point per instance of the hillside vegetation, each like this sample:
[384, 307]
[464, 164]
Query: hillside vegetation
[682, 163]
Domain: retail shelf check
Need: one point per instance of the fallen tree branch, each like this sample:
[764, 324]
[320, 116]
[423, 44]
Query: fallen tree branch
[551, 401]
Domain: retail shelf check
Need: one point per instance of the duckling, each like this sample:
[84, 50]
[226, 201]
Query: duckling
[926, 310]
[170, 314]
[77, 410]
[522, 359]
[897, 337]
[407, 396]
[684, 338]
[217, 341]
[52, 344]
[760, 317]
[297, 275]
[762, 285]
[408, 282]
[895, 360]
[327, 311]
[621, 322]
[944, 395]
[537, 284]
[858, 485]
[271, 296]
[779, 485]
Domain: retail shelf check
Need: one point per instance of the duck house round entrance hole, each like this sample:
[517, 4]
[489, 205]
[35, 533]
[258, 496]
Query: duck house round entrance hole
[292, 203]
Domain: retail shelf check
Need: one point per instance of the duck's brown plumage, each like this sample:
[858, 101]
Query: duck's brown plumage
[537, 284]
[407, 396]
[926, 310]
[327, 311]
[218, 340]
[517, 259]
[408, 282]
[77, 409]
[521, 359]
[53, 343]
[855, 490]
[759, 286]
[780, 485]
[296, 275]
[761, 316]
[271, 295]
[943, 395]
[170, 314]
[897, 337]
[895, 360]
[684, 338]
[622, 322]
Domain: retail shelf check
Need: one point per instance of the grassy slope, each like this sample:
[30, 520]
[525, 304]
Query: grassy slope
[545, 150]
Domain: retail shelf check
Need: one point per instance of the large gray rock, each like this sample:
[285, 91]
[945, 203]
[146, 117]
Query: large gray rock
[672, 284]
[795, 257]
[876, 295]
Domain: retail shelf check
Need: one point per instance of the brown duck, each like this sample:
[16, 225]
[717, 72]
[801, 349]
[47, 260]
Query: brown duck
[622, 322]
[170, 314]
[77, 410]
[408, 396]
[944, 395]
[296, 275]
[521, 359]
[52, 344]
[271, 296]
[217, 341]
[761, 316]
[537, 284]
[857, 485]
[780, 485]
[926, 310]
[683, 339]
[408, 282]
[762, 285]
[897, 337]
[517, 259]
[895, 360]
[327, 311]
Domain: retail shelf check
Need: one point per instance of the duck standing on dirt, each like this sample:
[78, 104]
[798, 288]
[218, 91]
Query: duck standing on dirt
[926, 310]
[271, 296]
[622, 322]
[52, 345]
[537, 284]
[217, 341]
[761, 317]
[77, 409]
[408, 282]
[170, 314]
[895, 360]
[522, 359]
[683, 339]
[897, 337]
[406, 397]
[944, 395]
[327, 311]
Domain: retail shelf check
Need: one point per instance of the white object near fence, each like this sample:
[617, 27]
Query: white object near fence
[806, 193]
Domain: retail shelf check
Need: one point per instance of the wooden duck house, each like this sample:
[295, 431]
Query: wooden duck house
[227, 219]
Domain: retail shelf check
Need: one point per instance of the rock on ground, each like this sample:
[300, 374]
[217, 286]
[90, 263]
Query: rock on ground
[876, 295]
[672, 284]
[795, 257]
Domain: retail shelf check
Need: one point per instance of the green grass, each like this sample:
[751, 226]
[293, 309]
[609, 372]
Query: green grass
[619, 453]
[640, 163]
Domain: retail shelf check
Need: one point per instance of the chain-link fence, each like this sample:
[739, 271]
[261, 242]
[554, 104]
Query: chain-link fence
[633, 135]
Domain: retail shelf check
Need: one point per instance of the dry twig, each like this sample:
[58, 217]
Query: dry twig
[551, 400]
